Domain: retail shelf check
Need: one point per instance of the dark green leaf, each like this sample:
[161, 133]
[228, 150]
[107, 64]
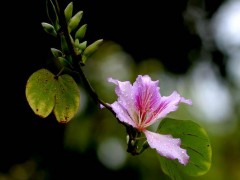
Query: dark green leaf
[195, 140]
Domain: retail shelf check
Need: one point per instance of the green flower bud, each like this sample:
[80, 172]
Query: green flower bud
[74, 21]
[68, 11]
[56, 53]
[91, 49]
[83, 45]
[79, 47]
[81, 32]
[49, 29]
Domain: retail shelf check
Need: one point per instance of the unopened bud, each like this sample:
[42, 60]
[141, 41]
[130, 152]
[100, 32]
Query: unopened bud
[91, 49]
[68, 11]
[74, 21]
[81, 32]
[56, 53]
[49, 29]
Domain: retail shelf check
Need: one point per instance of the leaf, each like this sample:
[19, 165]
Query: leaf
[40, 92]
[46, 93]
[67, 98]
[170, 168]
[195, 140]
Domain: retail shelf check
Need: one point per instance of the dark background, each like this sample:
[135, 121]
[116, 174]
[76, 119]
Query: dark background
[145, 29]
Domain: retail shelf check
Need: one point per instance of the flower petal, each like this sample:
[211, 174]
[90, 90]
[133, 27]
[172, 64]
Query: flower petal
[167, 146]
[167, 105]
[146, 93]
[125, 98]
[146, 96]
[122, 114]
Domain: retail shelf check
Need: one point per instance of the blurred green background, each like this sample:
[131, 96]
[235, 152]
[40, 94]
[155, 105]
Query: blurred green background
[191, 46]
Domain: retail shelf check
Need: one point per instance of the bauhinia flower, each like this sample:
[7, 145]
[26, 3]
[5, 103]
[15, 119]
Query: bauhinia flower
[140, 105]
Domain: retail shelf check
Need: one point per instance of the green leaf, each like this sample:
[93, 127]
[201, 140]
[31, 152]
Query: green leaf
[46, 93]
[68, 11]
[170, 168]
[74, 21]
[195, 140]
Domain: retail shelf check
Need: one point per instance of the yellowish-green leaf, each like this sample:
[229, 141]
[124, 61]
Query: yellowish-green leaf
[40, 92]
[46, 93]
[67, 98]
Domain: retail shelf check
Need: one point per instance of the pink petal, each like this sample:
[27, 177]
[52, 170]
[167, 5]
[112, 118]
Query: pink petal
[167, 146]
[186, 101]
[168, 104]
[146, 93]
[124, 93]
[122, 114]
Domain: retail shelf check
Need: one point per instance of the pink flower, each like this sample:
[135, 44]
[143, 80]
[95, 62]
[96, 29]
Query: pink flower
[140, 105]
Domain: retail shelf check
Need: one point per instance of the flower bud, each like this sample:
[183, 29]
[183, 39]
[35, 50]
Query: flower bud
[91, 49]
[81, 32]
[49, 29]
[74, 21]
[56, 53]
[68, 11]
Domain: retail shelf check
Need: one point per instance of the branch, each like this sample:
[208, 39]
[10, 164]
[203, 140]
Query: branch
[76, 65]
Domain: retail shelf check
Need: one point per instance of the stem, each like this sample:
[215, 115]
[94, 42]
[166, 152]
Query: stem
[134, 135]
[76, 66]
